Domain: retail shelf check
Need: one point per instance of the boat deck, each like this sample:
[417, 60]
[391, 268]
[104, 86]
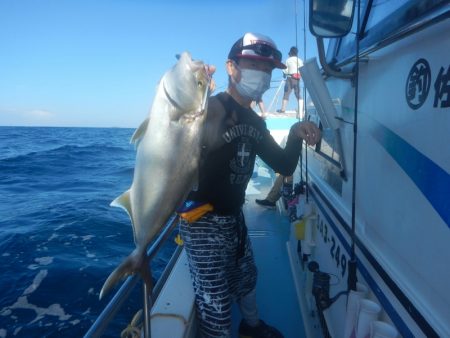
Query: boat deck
[269, 232]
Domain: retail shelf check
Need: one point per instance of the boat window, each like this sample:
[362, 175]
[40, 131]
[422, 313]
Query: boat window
[381, 9]
[327, 145]
[384, 19]
[346, 45]
[388, 17]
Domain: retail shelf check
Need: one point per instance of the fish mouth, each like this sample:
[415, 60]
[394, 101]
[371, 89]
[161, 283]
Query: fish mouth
[192, 116]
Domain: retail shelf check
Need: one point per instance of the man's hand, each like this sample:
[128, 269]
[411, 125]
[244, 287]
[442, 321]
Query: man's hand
[307, 131]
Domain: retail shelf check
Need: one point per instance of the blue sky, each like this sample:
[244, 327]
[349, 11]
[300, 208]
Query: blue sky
[97, 63]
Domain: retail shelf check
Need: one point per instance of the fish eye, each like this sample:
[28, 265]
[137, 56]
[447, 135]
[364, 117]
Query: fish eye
[200, 84]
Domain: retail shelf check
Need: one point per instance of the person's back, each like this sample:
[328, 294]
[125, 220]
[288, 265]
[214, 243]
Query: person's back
[292, 74]
[293, 63]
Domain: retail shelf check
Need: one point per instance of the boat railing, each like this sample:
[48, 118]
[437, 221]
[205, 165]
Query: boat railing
[110, 311]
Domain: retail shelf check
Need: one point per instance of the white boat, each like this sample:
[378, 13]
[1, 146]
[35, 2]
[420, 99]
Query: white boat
[367, 255]
[380, 191]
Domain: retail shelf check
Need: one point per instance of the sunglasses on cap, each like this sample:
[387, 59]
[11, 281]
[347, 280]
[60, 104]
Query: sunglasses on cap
[263, 50]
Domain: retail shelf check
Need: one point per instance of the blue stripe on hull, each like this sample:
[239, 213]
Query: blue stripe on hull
[432, 180]
[322, 202]
[387, 306]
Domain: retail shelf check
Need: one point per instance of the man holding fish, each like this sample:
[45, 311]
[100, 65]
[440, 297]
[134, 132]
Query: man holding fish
[212, 223]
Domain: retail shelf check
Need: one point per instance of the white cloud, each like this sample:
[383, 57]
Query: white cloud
[34, 117]
[40, 114]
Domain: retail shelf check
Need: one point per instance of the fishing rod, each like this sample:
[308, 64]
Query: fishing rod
[302, 182]
[352, 279]
[304, 96]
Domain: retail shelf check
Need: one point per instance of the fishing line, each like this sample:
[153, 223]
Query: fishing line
[302, 181]
[298, 105]
[351, 281]
[304, 55]
[304, 95]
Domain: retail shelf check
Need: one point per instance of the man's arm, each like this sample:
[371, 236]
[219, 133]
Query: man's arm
[284, 161]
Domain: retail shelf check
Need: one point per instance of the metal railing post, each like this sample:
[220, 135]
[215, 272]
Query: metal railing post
[111, 309]
[147, 311]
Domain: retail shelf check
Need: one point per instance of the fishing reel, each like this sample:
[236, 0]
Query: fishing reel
[321, 287]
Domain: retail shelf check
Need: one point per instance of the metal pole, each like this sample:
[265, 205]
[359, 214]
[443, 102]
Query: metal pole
[276, 95]
[352, 278]
[147, 311]
[304, 58]
[111, 309]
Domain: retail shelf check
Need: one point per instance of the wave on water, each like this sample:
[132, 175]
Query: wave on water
[59, 238]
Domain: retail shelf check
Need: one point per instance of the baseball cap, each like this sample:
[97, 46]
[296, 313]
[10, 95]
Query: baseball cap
[256, 46]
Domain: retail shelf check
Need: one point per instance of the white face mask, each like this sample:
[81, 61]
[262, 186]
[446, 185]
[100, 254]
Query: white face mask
[253, 83]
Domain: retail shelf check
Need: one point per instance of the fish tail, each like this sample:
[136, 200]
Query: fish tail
[131, 264]
[146, 274]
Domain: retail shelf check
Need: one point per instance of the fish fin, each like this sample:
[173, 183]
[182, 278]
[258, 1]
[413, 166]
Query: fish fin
[140, 131]
[130, 265]
[124, 202]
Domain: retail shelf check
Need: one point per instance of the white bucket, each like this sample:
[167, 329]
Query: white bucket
[351, 315]
[380, 329]
[362, 288]
[368, 312]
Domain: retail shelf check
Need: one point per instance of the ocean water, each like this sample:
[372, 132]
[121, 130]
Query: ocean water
[59, 238]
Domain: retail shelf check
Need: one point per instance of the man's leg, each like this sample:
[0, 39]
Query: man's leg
[275, 192]
[204, 242]
[273, 195]
[249, 310]
[287, 92]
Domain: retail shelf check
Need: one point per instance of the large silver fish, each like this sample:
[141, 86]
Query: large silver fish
[168, 153]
